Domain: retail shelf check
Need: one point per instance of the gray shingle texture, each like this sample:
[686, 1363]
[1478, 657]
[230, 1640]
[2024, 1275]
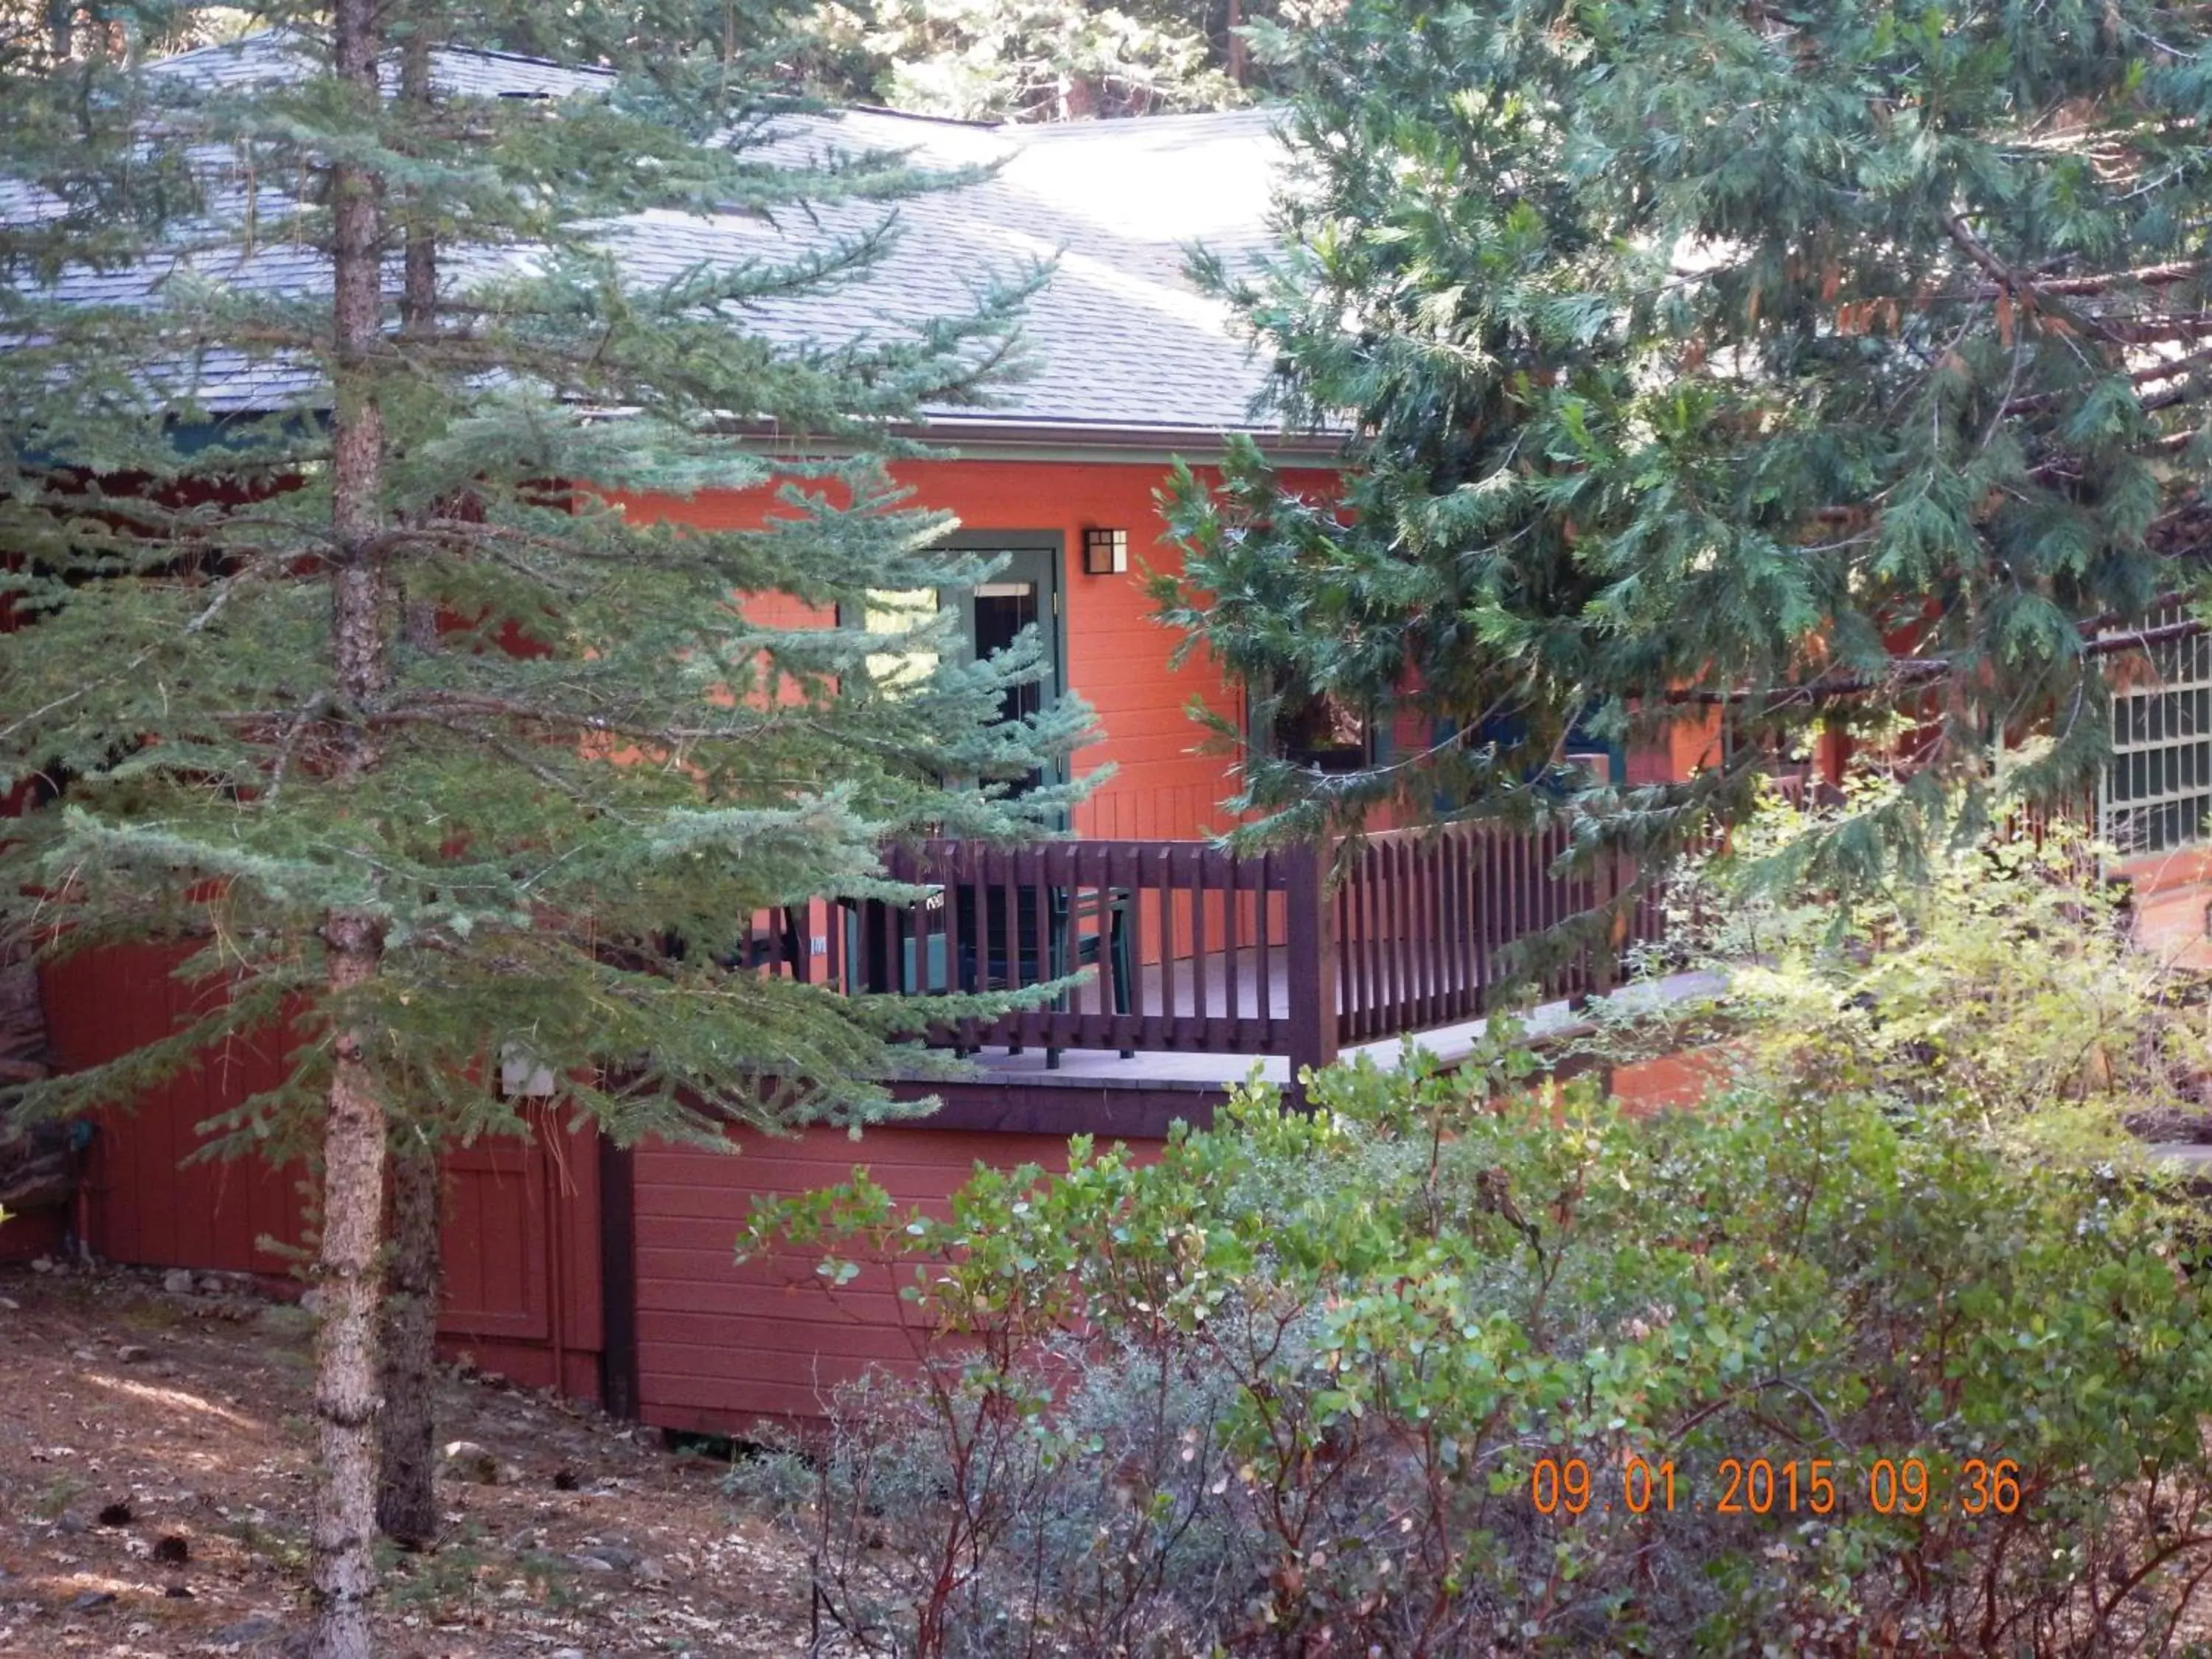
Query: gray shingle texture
[1117, 338]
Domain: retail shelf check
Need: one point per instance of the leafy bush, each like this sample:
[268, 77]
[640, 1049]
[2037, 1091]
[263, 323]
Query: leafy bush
[2003, 975]
[1285, 1389]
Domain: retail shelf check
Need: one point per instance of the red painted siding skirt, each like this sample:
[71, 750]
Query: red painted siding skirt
[721, 1346]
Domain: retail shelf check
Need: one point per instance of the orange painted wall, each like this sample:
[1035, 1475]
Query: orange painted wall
[1693, 743]
[1116, 656]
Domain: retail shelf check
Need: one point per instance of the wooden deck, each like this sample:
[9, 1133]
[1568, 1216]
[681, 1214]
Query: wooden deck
[1549, 1022]
[1202, 962]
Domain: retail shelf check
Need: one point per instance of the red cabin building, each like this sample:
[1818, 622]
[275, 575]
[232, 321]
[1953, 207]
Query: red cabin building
[610, 1274]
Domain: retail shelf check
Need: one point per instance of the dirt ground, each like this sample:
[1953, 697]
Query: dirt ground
[154, 1446]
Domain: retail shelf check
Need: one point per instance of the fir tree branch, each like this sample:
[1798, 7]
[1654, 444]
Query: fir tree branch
[81, 691]
[1904, 673]
[282, 766]
[2158, 276]
[442, 708]
[2019, 286]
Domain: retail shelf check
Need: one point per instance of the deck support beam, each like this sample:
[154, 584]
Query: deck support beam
[1312, 929]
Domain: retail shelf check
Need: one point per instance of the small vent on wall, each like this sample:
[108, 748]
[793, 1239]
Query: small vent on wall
[521, 1075]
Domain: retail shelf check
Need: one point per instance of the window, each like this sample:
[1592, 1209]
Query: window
[988, 617]
[2158, 789]
[1323, 734]
[892, 612]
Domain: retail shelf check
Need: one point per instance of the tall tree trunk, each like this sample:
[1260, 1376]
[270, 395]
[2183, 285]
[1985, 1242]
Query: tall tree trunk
[1236, 70]
[342, 1568]
[1078, 99]
[407, 1432]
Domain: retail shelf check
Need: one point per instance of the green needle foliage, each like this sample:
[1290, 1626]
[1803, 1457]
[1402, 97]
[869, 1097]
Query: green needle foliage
[1838, 366]
[585, 749]
[348, 374]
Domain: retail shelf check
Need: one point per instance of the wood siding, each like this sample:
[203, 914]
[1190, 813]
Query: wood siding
[521, 1232]
[721, 1346]
[146, 1204]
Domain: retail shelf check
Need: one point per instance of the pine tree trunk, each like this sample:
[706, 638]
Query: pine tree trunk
[406, 1435]
[341, 1569]
[407, 1491]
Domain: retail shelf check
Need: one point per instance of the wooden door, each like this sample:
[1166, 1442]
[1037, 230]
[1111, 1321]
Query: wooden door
[497, 1261]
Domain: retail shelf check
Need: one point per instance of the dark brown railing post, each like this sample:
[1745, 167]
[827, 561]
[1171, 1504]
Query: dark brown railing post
[1605, 961]
[1312, 945]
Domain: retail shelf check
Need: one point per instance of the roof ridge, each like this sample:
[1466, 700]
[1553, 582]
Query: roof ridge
[1019, 132]
[967, 121]
[277, 32]
[274, 33]
[1028, 131]
[532, 60]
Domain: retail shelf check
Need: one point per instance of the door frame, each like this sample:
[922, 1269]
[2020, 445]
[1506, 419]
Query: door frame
[1038, 555]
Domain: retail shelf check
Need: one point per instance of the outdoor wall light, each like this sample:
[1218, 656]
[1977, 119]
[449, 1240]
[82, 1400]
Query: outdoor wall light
[1105, 552]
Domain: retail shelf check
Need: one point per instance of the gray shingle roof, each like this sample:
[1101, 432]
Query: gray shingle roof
[1118, 338]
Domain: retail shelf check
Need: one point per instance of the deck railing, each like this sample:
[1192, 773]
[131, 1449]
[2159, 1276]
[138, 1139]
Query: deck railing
[1425, 916]
[1193, 949]
[1190, 948]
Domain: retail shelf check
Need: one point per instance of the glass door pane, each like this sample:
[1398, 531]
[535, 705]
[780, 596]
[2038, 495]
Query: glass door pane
[993, 615]
[1000, 611]
[894, 612]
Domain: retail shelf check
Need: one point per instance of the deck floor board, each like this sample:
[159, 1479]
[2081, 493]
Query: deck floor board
[1090, 1068]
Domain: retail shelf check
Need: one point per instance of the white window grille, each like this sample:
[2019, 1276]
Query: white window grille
[2158, 790]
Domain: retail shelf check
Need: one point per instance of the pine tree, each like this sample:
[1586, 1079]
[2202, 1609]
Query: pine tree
[1836, 367]
[346, 670]
[1039, 60]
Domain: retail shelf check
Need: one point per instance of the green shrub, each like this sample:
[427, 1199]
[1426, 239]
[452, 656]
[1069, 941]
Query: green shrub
[1283, 1390]
[2004, 976]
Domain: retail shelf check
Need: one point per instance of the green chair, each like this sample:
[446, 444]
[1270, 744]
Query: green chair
[1050, 939]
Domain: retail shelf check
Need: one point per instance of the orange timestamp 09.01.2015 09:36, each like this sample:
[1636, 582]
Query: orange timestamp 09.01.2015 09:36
[1905, 1485]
